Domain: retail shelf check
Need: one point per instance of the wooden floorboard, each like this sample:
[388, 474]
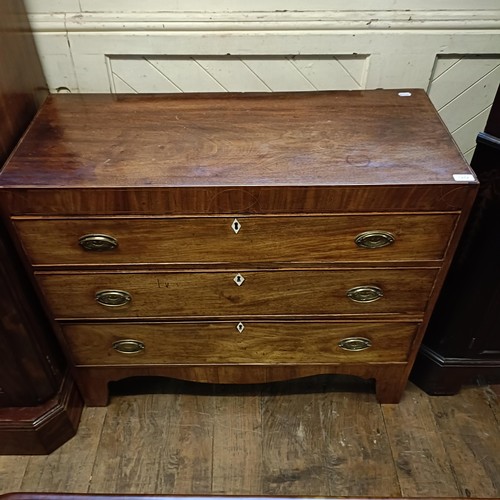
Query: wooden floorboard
[472, 441]
[359, 451]
[418, 450]
[237, 444]
[314, 437]
[69, 468]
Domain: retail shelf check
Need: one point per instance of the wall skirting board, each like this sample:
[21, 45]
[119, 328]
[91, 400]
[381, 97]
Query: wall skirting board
[170, 46]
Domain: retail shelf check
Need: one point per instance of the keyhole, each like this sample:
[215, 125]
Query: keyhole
[239, 279]
[236, 226]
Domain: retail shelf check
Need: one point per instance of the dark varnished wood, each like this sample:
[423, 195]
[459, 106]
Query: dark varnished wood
[288, 139]
[41, 429]
[462, 342]
[296, 162]
[235, 201]
[390, 378]
[39, 406]
[215, 294]
[288, 239]
[22, 86]
[221, 343]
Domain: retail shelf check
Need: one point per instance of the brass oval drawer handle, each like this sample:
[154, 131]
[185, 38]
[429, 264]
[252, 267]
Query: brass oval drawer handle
[365, 293]
[355, 344]
[113, 298]
[128, 346]
[374, 239]
[98, 242]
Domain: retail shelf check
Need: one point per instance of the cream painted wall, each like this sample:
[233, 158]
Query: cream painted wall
[451, 48]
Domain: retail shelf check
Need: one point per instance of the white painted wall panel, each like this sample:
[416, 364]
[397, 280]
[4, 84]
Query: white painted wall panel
[450, 47]
[460, 74]
[466, 134]
[256, 5]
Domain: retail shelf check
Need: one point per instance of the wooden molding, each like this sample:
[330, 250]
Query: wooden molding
[295, 21]
[39, 430]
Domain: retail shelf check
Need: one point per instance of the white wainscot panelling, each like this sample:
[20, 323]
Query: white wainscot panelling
[450, 48]
[241, 74]
[243, 5]
[462, 88]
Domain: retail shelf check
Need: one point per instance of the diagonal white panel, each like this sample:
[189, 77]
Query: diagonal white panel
[232, 74]
[332, 73]
[278, 74]
[442, 64]
[187, 74]
[240, 74]
[457, 79]
[121, 87]
[471, 102]
[462, 87]
[139, 74]
[465, 135]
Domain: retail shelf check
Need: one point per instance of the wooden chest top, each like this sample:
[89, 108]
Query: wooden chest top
[293, 139]
[314, 141]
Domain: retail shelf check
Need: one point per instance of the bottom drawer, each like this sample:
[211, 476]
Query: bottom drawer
[294, 342]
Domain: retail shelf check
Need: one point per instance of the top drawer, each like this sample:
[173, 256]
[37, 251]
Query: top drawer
[286, 239]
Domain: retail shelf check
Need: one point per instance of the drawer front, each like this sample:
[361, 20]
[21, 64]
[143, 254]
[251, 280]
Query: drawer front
[231, 342]
[307, 239]
[237, 294]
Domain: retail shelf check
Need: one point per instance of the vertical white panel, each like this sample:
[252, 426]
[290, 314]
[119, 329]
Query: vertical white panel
[57, 61]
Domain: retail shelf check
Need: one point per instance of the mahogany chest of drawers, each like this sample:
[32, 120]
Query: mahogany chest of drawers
[238, 238]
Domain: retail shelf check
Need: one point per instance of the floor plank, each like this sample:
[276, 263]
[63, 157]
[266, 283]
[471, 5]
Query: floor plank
[69, 468]
[309, 437]
[155, 444]
[237, 454]
[293, 445]
[467, 428]
[417, 448]
[12, 470]
[357, 447]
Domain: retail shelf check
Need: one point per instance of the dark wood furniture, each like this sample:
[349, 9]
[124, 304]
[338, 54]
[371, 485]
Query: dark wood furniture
[238, 238]
[463, 339]
[39, 404]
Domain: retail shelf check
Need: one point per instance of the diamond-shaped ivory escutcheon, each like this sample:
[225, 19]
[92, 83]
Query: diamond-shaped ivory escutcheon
[240, 327]
[239, 279]
[236, 226]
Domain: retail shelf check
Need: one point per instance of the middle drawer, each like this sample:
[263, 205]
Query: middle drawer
[239, 293]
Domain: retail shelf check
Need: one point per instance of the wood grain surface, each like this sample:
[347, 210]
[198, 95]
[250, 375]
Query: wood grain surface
[215, 293]
[350, 161]
[264, 342]
[285, 139]
[322, 436]
[289, 239]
